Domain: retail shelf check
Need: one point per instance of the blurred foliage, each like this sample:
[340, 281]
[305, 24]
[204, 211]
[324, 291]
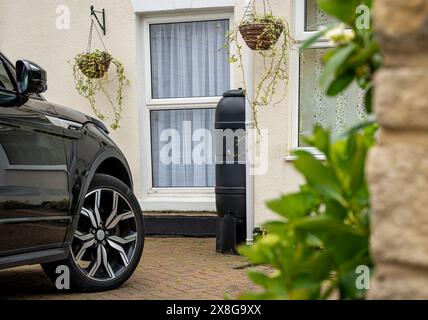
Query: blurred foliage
[323, 233]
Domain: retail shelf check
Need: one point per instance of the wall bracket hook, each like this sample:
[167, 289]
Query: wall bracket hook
[95, 14]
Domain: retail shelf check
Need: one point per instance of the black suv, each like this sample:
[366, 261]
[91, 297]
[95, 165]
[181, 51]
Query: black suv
[66, 194]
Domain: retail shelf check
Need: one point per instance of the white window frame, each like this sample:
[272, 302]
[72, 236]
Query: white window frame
[171, 199]
[301, 36]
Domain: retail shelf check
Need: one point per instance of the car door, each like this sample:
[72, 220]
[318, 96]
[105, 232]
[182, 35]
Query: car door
[34, 198]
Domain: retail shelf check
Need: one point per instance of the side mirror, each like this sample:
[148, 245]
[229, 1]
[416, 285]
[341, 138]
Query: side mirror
[31, 78]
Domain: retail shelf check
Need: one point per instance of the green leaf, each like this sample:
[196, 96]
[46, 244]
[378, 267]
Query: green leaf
[324, 223]
[344, 10]
[276, 227]
[363, 55]
[335, 209]
[348, 250]
[259, 278]
[313, 241]
[319, 177]
[335, 62]
[320, 139]
[341, 83]
[262, 296]
[368, 3]
[370, 123]
[357, 151]
[294, 205]
[305, 289]
[348, 289]
[329, 54]
[309, 42]
[272, 282]
[263, 251]
[368, 100]
[320, 266]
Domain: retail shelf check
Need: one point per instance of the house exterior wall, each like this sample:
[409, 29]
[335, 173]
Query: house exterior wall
[280, 177]
[28, 30]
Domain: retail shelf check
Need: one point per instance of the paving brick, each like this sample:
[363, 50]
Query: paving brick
[171, 268]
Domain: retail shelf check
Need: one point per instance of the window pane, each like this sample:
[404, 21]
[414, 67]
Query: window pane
[183, 148]
[336, 113]
[188, 59]
[5, 82]
[315, 18]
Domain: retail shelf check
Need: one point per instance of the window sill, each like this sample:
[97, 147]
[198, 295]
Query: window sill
[318, 156]
[174, 102]
[176, 202]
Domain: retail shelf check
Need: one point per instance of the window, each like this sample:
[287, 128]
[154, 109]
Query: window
[177, 137]
[5, 82]
[311, 105]
[315, 108]
[189, 72]
[187, 59]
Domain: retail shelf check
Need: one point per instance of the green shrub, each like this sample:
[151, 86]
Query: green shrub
[323, 233]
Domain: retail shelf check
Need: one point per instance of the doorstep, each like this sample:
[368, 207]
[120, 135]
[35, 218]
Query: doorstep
[181, 224]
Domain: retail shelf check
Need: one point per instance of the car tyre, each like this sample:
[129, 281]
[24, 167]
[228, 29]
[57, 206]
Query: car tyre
[109, 239]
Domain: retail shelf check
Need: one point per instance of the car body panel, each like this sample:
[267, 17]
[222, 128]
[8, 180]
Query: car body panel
[57, 152]
[34, 196]
[86, 155]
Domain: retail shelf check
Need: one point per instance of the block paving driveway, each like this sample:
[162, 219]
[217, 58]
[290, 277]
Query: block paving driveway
[171, 268]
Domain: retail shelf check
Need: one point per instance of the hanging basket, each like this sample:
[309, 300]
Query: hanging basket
[261, 35]
[95, 64]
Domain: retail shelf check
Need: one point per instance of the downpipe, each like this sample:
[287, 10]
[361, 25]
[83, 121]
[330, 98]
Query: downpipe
[249, 126]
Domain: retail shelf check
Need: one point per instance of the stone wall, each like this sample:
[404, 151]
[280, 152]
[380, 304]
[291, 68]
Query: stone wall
[398, 165]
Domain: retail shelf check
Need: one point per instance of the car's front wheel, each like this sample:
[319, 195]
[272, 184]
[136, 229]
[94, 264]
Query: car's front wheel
[109, 238]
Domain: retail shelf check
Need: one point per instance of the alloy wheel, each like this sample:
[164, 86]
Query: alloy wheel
[106, 236]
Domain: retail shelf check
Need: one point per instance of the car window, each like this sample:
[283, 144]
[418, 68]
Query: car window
[5, 81]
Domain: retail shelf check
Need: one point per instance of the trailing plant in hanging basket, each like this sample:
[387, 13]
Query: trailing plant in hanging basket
[90, 72]
[94, 65]
[261, 32]
[269, 36]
